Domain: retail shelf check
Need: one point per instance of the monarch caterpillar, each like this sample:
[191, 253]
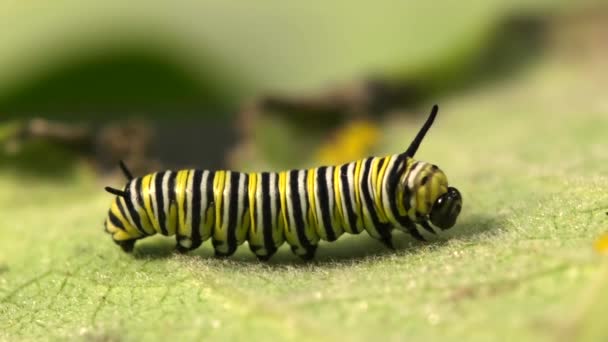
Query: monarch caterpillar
[300, 207]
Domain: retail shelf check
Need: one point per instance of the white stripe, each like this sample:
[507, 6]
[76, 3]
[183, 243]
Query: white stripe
[302, 189]
[205, 232]
[411, 180]
[165, 190]
[133, 194]
[226, 201]
[329, 178]
[240, 229]
[152, 196]
[288, 194]
[411, 177]
[273, 200]
[303, 194]
[353, 194]
[127, 212]
[139, 209]
[369, 224]
[329, 175]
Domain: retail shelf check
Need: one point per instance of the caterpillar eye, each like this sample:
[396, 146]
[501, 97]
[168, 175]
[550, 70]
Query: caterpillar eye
[446, 209]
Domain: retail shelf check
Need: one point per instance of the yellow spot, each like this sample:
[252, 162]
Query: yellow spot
[357, 187]
[338, 196]
[601, 244]
[351, 142]
[283, 194]
[218, 192]
[377, 177]
[253, 187]
[180, 189]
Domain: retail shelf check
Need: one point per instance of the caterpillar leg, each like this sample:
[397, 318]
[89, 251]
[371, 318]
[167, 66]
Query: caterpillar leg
[218, 246]
[388, 242]
[306, 254]
[184, 244]
[415, 233]
[263, 254]
[427, 227]
[126, 245]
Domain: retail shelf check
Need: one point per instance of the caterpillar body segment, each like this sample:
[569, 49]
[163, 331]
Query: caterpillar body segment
[299, 207]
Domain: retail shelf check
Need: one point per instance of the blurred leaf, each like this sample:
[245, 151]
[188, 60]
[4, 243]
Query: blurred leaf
[102, 55]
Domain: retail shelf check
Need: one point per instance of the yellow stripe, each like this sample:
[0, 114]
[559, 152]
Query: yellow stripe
[310, 190]
[121, 236]
[374, 178]
[338, 195]
[172, 219]
[143, 217]
[378, 181]
[357, 187]
[253, 187]
[209, 218]
[181, 184]
[209, 213]
[283, 193]
[218, 194]
[400, 204]
[111, 227]
[147, 194]
[132, 231]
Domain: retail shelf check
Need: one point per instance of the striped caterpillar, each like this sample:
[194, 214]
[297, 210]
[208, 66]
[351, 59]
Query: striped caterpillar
[300, 207]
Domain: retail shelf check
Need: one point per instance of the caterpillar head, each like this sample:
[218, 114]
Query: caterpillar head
[426, 194]
[446, 208]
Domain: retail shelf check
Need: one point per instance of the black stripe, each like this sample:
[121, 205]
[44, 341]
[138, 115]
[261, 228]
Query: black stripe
[322, 197]
[382, 228]
[297, 209]
[171, 193]
[140, 198]
[160, 202]
[266, 213]
[132, 212]
[391, 185]
[407, 195]
[209, 192]
[232, 212]
[404, 221]
[196, 208]
[115, 221]
[352, 216]
[380, 164]
[393, 175]
[121, 209]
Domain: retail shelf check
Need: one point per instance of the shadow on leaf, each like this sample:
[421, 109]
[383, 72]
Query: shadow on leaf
[347, 249]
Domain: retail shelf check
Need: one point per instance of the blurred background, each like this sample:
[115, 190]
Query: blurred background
[222, 84]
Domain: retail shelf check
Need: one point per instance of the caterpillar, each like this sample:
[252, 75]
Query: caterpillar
[300, 207]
